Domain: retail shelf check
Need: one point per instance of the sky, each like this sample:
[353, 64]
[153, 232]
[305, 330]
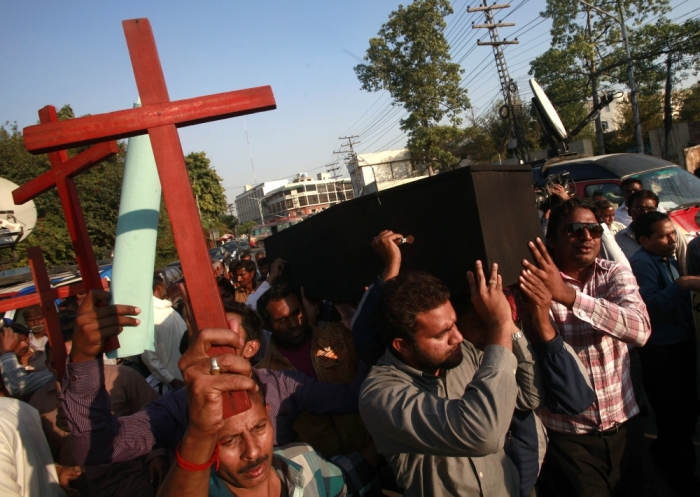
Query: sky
[75, 53]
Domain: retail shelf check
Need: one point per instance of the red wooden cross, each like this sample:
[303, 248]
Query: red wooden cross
[61, 175]
[160, 118]
[45, 297]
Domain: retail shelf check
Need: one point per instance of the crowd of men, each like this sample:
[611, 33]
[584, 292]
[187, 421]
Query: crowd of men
[532, 389]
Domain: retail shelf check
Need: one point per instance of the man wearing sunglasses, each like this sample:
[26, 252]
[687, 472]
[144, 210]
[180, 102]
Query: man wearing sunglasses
[668, 358]
[597, 308]
[641, 202]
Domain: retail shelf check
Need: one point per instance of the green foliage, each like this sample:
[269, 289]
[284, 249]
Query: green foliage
[244, 228]
[98, 190]
[410, 59]
[585, 48]
[690, 104]
[207, 188]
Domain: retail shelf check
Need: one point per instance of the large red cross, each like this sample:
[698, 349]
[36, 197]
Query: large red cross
[160, 118]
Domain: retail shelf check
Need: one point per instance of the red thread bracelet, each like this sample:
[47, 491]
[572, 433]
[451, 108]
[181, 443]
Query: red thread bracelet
[188, 466]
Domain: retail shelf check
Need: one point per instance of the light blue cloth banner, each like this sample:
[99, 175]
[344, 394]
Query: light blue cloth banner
[135, 246]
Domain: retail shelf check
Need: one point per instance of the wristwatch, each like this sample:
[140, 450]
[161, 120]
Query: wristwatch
[517, 336]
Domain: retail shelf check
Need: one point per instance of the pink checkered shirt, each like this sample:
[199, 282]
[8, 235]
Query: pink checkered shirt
[608, 314]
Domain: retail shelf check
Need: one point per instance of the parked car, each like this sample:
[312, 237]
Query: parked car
[221, 254]
[677, 189]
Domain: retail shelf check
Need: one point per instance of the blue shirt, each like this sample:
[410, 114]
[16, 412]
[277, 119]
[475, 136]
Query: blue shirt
[668, 305]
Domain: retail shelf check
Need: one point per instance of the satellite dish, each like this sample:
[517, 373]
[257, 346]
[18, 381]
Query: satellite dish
[548, 113]
[16, 221]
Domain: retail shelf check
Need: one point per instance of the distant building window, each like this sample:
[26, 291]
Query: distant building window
[302, 201]
[310, 188]
[290, 204]
[322, 188]
[313, 199]
[604, 125]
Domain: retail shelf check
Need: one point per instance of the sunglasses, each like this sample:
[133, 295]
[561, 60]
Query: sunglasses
[574, 230]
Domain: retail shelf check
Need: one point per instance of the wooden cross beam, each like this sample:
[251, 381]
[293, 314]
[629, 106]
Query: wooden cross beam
[61, 175]
[160, 118]
[48, 309]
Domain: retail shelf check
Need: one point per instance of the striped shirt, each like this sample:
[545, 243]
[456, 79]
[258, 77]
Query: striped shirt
[101, 438]
[303, 472]
[607, 315]
[18, 381]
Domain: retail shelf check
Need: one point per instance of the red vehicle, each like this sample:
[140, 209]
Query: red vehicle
[677, 189]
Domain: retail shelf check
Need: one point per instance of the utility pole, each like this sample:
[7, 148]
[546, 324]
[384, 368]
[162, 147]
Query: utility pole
[630, 72]
[348, 151]
[512, 107]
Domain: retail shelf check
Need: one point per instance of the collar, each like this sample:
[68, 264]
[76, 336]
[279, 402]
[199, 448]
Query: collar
[287, 470]
[161, 304]
[597, 266]
[658, 258]
[391, 360]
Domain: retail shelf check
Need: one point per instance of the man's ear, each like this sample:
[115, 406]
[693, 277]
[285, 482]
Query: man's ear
[250, 349]
[400, 345]
[643, 241]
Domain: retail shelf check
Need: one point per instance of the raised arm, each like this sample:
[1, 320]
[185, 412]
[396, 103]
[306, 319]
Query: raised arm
[365, 333]
[621, 314]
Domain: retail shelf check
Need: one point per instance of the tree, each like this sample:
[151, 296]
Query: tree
[207, 188]
[585, 53]
[410, 59]
[690, 104]
[98, 189]
[670, 52]
[244, 228]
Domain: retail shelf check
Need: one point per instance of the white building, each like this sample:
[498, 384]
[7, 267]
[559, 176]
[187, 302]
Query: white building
[305, 196]
[248, 203]
[378, 171]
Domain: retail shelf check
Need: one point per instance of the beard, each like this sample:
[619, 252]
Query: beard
[453, 360]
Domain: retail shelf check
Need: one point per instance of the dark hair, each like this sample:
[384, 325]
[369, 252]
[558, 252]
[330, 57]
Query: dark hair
[273, 294]
[249, 266]
[157, 280]
[262, 389]
[630, 181]
[641, 195]
[402, 298]
[225, 284]
[244, 253]
[566, 208]
[644, 225]
[603, 204]
[20, 329]
[251, 322]
[32, 309]
[262, 261]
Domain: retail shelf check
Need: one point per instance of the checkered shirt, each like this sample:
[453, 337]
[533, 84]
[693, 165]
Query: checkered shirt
[607, 315]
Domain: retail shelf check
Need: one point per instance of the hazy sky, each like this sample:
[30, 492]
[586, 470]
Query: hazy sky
[75, 53]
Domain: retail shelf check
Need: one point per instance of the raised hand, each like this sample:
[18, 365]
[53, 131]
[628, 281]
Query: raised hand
[275, 271]
[95, 324]
[491, 304]
[204, 389]
[549, 274]
[8, 340]
[385, 245]
[538, 299]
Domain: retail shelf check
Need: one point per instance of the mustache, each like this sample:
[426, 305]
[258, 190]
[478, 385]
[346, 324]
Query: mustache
[252, 465]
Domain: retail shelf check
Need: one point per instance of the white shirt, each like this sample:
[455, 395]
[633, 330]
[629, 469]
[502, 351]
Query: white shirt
[622, 216]
[26, 465]
[169, 328]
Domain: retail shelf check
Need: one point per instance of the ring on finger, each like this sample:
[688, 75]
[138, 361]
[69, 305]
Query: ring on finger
[492, 282]
[215, 368]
